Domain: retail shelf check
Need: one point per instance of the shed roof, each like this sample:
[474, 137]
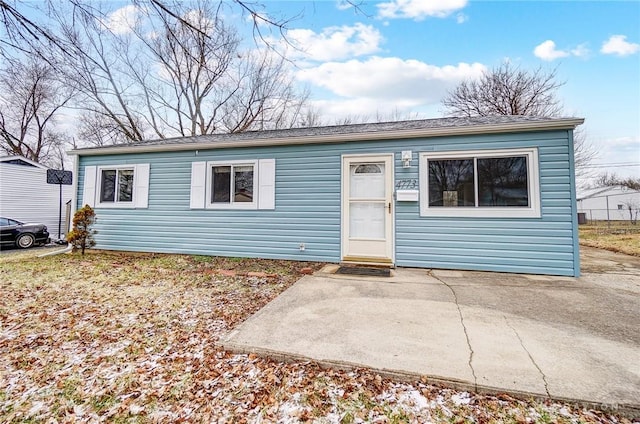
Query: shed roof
[597, 192]
[21, 161]
[343, 133]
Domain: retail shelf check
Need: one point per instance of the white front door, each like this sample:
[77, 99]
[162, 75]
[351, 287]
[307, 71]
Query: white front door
[367, 215]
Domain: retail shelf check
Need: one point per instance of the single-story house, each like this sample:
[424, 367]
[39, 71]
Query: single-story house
[26, 196]
[491, 193]
[615, 203]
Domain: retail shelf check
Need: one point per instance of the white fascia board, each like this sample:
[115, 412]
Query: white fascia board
[556, 124]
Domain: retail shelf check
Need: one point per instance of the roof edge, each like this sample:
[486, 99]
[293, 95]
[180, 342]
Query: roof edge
[556, 124]
[22, 158]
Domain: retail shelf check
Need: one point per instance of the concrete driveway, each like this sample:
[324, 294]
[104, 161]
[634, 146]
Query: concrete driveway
[565, 338]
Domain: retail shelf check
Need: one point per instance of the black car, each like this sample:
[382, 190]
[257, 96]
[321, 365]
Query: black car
[16, 233]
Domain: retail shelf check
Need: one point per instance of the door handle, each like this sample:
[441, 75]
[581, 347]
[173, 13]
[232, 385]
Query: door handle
[389, 208]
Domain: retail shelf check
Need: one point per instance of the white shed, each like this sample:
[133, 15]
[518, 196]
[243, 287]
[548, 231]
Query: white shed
[609, 203]
[26, 196]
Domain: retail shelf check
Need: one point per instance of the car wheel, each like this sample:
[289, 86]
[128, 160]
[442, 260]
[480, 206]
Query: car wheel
[25, 241]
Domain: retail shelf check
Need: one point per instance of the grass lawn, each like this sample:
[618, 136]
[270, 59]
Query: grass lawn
[122, 337]
[619, 236]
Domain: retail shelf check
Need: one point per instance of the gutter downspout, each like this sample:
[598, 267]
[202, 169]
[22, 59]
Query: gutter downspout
[57, 252]
[74, 189]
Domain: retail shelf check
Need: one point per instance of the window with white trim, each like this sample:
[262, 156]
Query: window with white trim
[495, 183]
[116, 186]
[236, 184]
[232, 184]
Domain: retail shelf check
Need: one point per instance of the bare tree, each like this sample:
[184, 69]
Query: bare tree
[509, 90]
[633, 207]
[30, 100]
[210, 84]
[584, 153]
[168, 77]
[632, 183]
[610, 180]
[506, 90]
[91, 65]
[392, 116]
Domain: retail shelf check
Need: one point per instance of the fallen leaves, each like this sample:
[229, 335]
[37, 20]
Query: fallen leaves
[132, 338]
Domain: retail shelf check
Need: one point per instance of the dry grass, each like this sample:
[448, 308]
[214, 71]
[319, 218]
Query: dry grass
[622, 237]
[132, 338]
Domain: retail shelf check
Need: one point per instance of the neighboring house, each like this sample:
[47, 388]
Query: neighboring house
[609, 203]
[494, 194]
[26, 196]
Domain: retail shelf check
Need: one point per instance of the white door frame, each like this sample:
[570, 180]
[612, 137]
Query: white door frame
[345, 162]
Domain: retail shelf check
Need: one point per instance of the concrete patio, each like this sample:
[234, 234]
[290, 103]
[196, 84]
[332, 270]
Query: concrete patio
[566, 338]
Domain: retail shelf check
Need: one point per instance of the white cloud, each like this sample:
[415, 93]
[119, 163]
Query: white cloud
[363, 108]
[390, 81]
[618, 45]
[419, 9]
[547, 51]
[335, 43]
[343, 5]
[123, 20]
[580, 51]
[461, 18]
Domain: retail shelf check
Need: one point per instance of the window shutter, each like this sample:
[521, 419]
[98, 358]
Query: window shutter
[198, 182]
[141, 186]
[89, 187]
[267, 184]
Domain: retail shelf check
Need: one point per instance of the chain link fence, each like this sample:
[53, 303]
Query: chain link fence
[619, 222]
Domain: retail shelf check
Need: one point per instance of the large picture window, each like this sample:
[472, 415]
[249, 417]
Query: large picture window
[499, 183]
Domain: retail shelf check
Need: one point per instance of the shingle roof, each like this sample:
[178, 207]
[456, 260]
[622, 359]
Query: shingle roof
[376, 130]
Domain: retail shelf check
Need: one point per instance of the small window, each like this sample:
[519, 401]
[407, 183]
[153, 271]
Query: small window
[368, 168]
[620, 207]
[499, 183]
[116, 185]
[236, 179]
[232, 185]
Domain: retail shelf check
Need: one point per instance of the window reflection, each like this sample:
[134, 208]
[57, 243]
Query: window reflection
[451, 182]
[503, 182]
[243, 183]
[125, 185]
[232, 184]
[221, 184]
[108, 185]
[500, 182]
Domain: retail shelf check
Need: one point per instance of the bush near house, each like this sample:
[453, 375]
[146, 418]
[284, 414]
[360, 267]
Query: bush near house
[81, 236]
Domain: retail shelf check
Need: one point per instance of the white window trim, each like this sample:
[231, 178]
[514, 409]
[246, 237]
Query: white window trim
[115, 204]
[533, 211]
[232, 205]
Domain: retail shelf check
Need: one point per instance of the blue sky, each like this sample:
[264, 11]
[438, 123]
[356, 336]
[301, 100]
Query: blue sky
[405, 54]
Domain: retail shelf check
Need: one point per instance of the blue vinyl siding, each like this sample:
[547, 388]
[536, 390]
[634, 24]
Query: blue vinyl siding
[308, 185]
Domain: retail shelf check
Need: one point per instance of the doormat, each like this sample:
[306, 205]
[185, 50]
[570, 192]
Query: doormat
[361, 270]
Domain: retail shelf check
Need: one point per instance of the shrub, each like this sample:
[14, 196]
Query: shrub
[81, 237]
